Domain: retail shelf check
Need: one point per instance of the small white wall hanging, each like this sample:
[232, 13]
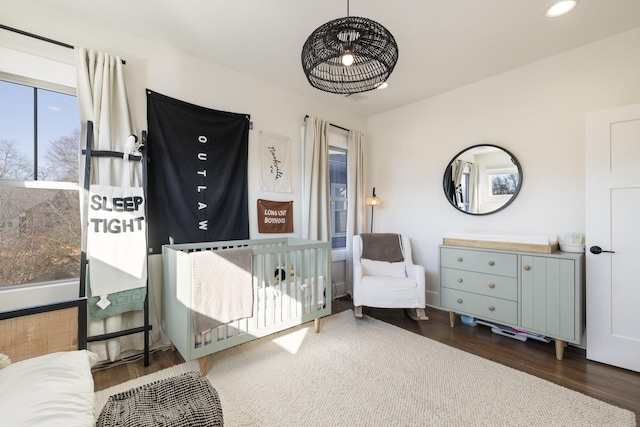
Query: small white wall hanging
[275, 160]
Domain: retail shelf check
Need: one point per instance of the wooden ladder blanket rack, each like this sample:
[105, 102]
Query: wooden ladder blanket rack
[89, 153]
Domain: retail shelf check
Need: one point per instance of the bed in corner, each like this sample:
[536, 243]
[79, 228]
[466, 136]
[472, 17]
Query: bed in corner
[48, 382]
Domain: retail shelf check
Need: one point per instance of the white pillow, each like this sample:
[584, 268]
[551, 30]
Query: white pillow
[51, 390]
[382, 268]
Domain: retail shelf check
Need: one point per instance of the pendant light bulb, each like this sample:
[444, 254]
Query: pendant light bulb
[347, 59]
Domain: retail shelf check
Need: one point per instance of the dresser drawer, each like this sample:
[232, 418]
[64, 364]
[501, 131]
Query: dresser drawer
[480, 283]
[481, 306]
[502, 264]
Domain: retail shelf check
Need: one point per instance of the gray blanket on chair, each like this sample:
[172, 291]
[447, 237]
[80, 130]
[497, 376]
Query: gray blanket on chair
[382, 247]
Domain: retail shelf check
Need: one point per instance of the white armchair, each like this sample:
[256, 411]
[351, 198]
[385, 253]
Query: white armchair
[385, 276]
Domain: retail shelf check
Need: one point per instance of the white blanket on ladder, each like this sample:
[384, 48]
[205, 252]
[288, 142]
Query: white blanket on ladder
[116, 239]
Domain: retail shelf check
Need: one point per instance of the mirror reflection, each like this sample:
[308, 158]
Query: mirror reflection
[482, 179]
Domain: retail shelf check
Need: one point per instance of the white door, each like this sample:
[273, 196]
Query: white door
[612, 200]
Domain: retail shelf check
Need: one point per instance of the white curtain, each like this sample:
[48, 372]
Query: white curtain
[474, 171]
[316, 202]
[356, 197]
[102, 99]
[457, 173]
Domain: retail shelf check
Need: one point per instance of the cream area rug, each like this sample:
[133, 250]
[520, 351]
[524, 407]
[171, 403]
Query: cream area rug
[364, 372]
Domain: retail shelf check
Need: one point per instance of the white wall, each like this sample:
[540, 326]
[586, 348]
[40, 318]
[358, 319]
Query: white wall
[537, 112]
[185, 77]
[191, 79]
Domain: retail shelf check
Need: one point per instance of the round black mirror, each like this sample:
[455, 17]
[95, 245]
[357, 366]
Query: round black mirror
[482, 179]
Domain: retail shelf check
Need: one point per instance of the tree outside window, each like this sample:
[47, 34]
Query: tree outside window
[39, 199]
[503, 184]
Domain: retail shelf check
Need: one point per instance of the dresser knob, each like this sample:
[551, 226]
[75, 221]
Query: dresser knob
[459, 300]
[459, 259]
[459, 279]
[491, 286]
[491, 308]
[491, 263]
[527, 267]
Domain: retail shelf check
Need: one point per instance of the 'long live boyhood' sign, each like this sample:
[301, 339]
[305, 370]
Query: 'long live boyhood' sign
[197, 173]
[275, 217]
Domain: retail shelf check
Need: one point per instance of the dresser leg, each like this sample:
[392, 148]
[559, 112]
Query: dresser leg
[560, 345]
[452, 319]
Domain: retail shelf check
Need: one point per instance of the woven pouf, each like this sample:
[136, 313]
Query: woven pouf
[181, 401]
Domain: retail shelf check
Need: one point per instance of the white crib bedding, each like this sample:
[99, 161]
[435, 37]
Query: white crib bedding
[303, 288]
[51, 390]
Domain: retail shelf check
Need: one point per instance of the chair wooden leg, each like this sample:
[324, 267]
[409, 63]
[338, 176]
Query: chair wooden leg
[357, 311]
[420, 313]
[416, 313]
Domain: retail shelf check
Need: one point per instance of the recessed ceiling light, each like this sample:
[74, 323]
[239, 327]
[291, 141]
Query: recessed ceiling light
[383, 85]
[561, 7]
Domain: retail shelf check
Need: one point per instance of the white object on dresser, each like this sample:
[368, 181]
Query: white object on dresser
[539, 293]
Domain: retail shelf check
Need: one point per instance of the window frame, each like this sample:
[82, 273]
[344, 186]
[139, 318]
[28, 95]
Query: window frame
[333, 200]
[338, 141]
[35, 182]
[489, 175]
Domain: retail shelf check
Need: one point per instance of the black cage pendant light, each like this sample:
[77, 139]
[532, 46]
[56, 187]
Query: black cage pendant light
[349, 55]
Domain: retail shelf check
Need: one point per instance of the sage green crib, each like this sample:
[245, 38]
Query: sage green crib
[291, 286]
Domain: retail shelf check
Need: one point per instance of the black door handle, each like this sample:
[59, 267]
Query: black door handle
[596, 250]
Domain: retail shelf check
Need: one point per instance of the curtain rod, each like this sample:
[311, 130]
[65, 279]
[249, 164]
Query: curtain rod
[330, 124]
[48, 40]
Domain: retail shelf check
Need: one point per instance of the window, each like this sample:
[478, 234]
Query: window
[503, 183]
[338, 182]
[39, 198]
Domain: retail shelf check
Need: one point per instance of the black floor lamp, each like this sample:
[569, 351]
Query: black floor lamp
[372, 201]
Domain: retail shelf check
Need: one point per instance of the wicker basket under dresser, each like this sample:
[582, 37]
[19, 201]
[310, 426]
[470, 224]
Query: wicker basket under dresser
[541, 293]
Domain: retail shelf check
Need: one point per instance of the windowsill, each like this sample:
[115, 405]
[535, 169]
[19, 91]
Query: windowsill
[52, 185]
[15, 297]
[338, 254]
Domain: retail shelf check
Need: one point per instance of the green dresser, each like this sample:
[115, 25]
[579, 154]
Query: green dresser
[535, 292]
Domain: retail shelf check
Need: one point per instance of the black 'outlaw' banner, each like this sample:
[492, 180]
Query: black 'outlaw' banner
[197, 173]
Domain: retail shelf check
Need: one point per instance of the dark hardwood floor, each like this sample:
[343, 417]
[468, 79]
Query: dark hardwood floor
[613, 385]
